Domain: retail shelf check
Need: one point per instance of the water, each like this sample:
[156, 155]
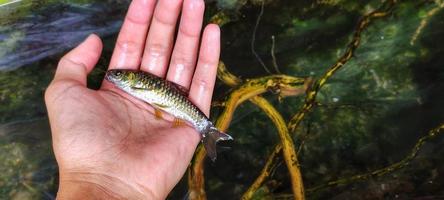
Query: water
[372, 111]
[53, 28]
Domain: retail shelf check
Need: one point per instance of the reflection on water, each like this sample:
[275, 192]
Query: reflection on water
[52, 29]
[368, 115]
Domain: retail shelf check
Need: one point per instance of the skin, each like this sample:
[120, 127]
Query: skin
[109, 145]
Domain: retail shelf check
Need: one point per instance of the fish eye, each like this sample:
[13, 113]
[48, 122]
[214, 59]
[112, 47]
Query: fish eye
[118, 73]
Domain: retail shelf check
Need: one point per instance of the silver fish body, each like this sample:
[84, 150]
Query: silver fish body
[168, 97]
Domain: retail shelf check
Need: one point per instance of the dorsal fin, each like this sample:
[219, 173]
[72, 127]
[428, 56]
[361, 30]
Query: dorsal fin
[183, 90]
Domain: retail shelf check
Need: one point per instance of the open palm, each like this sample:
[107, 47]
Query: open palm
[112, 142]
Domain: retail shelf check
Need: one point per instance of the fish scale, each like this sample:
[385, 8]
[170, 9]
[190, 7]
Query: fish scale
[168, 97]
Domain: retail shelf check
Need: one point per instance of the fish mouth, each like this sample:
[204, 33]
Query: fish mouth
[110, 75]
[107, 76]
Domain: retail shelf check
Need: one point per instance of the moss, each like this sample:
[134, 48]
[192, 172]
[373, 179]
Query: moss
[21, 94]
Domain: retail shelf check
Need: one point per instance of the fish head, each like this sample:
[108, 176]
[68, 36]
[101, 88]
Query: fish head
[121, 78]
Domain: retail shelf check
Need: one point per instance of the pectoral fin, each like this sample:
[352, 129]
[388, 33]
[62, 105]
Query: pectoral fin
[182, 90]
[158, 110]
[158, 113]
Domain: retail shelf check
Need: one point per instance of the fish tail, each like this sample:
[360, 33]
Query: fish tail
[210, 138]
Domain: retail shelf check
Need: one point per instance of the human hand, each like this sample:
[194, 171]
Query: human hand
[109, 144]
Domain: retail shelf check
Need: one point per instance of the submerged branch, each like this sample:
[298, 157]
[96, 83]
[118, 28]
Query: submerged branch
[196, 181]
[273, 55]
[253, 39]
[271, 163]
[380, 172]
[288, 148]
[220, 18]
[310, 99]
[283, 84]
[227, 77]
[425, 21]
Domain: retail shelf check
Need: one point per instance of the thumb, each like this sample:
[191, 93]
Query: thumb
[76, 64]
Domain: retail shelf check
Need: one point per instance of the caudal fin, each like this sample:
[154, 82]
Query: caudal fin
[210, 140]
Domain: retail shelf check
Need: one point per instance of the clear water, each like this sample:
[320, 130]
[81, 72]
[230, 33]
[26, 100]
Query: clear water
[372, 111]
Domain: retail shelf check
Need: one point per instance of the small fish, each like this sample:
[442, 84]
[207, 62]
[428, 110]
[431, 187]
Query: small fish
[169, 97]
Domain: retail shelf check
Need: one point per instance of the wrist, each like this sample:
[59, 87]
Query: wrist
[81, 185]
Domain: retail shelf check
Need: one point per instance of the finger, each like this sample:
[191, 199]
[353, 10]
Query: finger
[129, 46]
[160, 37]
[183, 59]
[204, 77]
[80, 61]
